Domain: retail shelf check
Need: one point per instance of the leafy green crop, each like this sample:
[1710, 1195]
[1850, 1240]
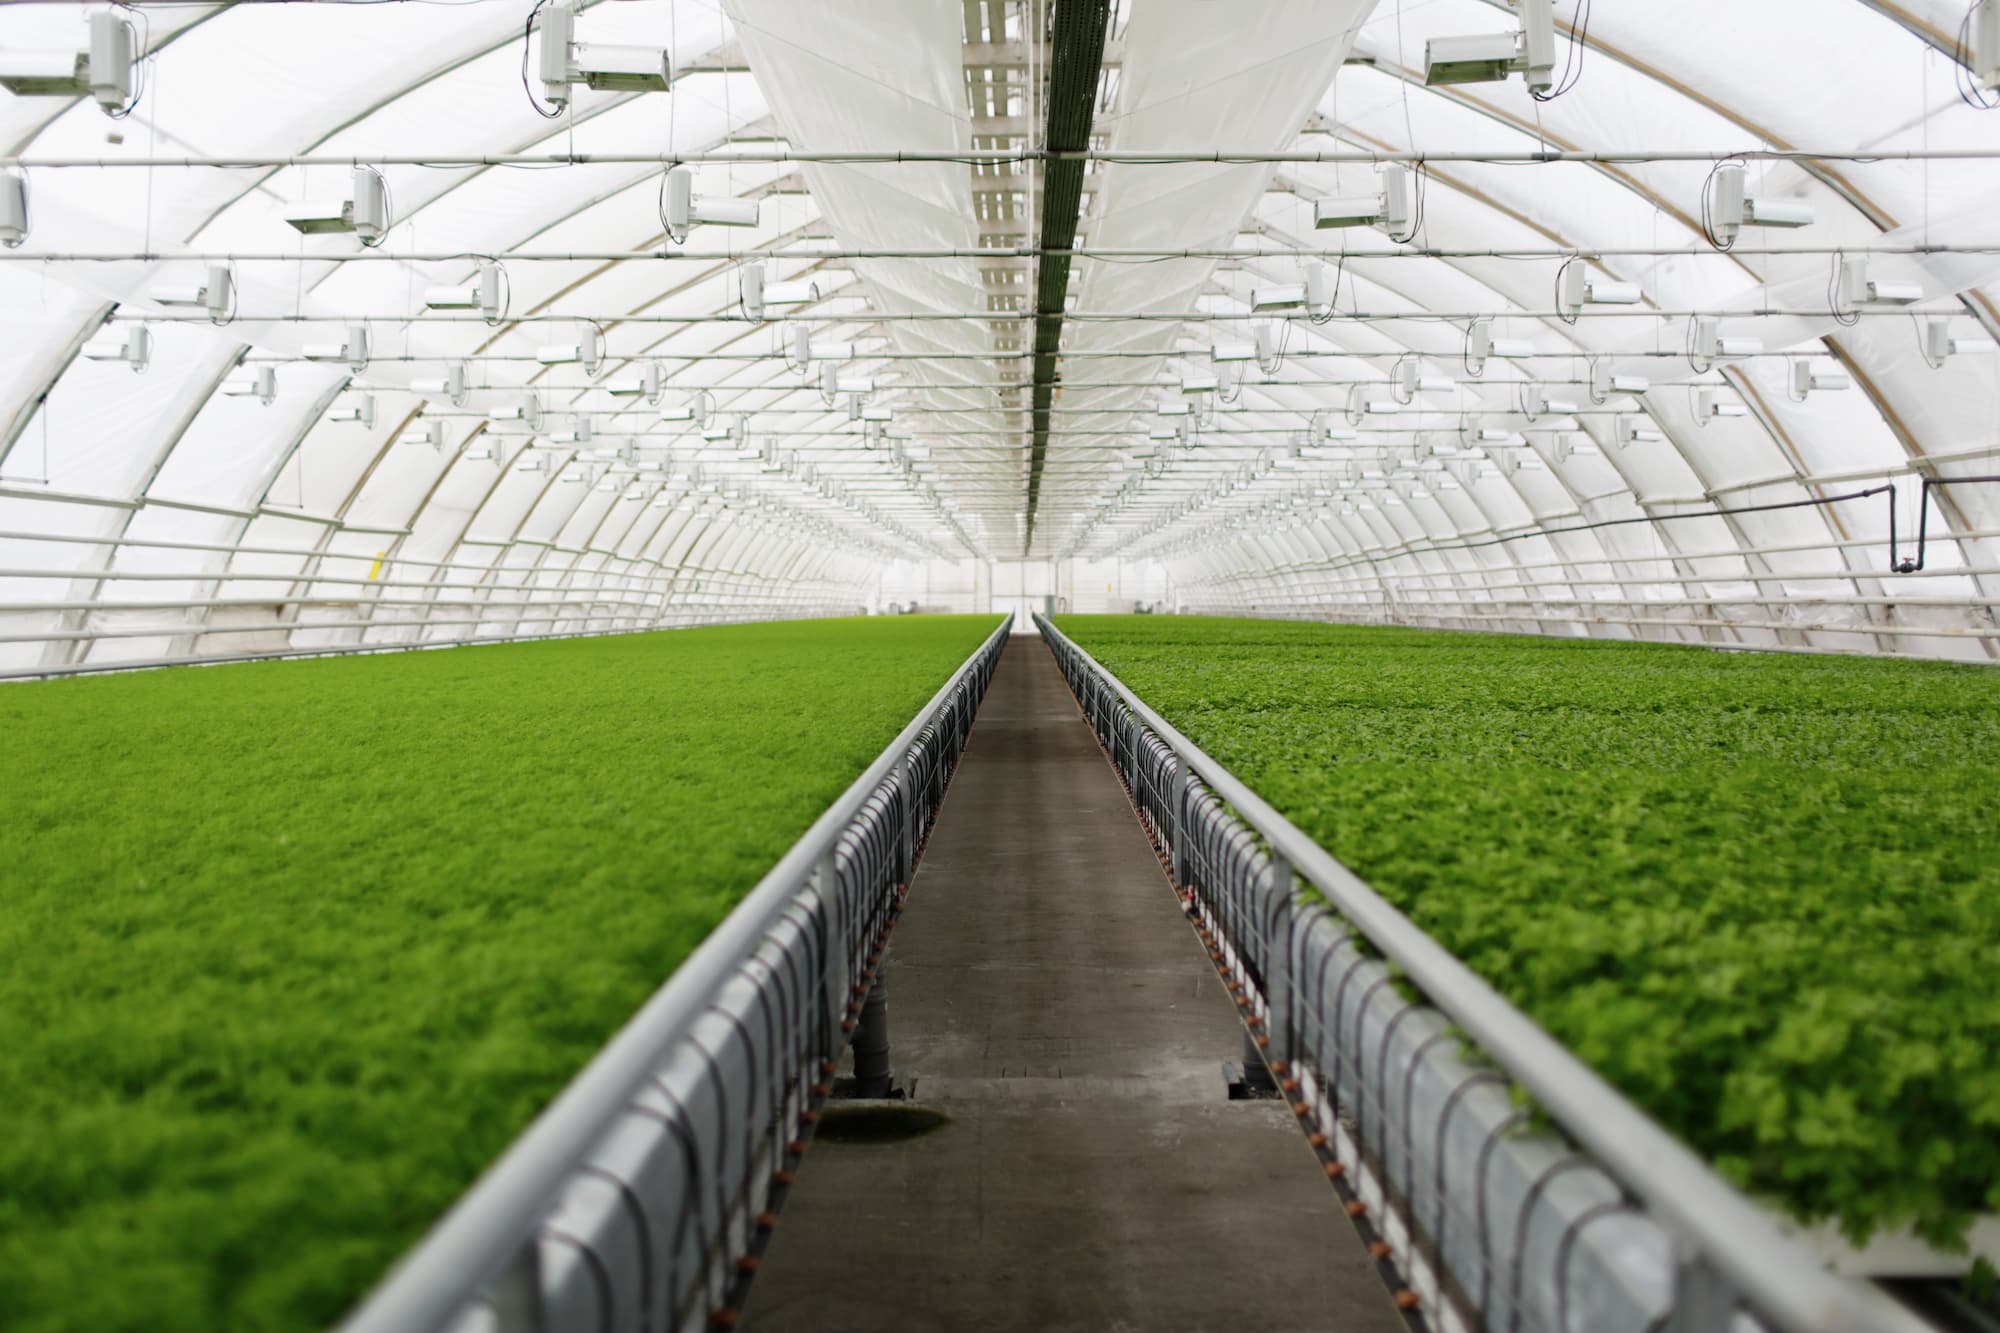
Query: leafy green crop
[1759, 892]
[293, 949]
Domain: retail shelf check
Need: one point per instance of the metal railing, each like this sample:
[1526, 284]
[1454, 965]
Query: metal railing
[633, 1200]
[1616, 1226]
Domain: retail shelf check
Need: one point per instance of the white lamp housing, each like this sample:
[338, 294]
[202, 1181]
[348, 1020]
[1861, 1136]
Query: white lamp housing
[1710, 405]
[1637, 432]
[1604, 382]
[1511, 348]
[215, 295]
[564, 62]
[1389, 210]
[1539, 404]
[1173, 409]
[752, 276]
[13, 209]
[353, 349]
[1234, 349]
[365, 211]
[263, 386]
[1806, 380]
[1287, 296]
[587, 351]
[790, 293]
[101, 71]
[528, 411]
[1478, 345]
[854, 383]
[1730, 209]
[878, 414]
[361, 411]
[481, 294]
[135, 349]
[683, 207]
[579, 432]
[1579, 289]
[1858, 288]
[1986, 43]
[1199, 381]
[1712, 345]
[1490, 58]
[648, 385]
[430, 432]
[450, 386]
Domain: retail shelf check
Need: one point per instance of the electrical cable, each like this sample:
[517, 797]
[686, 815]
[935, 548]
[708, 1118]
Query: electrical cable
[527, 44]
[1835, 304]
[1579, 33]
[1963, 76]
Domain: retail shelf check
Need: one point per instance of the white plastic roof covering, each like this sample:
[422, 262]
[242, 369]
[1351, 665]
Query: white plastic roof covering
[151, 516]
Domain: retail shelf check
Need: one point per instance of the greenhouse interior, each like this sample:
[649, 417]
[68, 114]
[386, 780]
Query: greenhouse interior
[944, 665]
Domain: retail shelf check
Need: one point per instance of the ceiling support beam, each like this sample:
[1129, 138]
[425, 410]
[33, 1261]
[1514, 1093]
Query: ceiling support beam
[1076, 57]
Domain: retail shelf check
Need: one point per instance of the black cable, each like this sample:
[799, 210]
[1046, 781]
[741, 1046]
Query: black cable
[1567, 317]
[527, 44]
[1962, 73]
[1903, 565]
[1707, 212]
[1841, 314]
[1573, 61]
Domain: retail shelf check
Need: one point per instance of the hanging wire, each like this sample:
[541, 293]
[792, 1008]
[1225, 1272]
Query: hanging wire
[1573, 61]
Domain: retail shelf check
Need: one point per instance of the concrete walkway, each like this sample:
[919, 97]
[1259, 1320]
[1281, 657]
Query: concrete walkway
[1051, 1001]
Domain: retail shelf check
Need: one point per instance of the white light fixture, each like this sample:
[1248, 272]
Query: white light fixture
[101, 71]
[1173, 409]
[578, 432]
[1491, 57]
[353, 349]
[1511, 349]
[361, 411]
[683, 207]
[1859, 288]
[1710, 344]
[1539, 404]
[1637, 432]
[1198, 381]
[752, 287]
[564, 62]
[1285, 296]
[1389, 209]
[587, 351]
[1710, 405]
[135, 349]
[1579, 289]
[1806, 380]
[791, 293]
[648, 385]
[527, 411]
[431, 433]
[532, 462]
[1478, 346]
[481, 294]
[1604, 382]
[1986, 43]
[1730, 209]
[263, 386]
[1235, 349]
[365, 211]
[450, 386]
[216, 294]
[13, 209]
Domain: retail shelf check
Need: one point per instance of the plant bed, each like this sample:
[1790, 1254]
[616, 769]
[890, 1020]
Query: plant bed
[295, 949]
[1759, 893]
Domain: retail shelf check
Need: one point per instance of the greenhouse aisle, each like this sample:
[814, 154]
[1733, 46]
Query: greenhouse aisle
[1052, 1003]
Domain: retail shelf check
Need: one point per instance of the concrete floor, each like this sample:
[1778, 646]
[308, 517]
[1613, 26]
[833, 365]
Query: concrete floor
[1051, 1001]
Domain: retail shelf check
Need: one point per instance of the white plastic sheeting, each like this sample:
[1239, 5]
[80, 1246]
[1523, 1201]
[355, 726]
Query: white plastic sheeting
[158, 515]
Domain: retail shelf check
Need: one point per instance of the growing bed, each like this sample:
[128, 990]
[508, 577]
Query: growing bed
[1760, 893]
[294, 949]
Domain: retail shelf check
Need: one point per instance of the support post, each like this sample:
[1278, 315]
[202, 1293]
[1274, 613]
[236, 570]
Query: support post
[873, 1077]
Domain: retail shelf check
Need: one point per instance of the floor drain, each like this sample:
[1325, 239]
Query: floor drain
[877, 1122]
